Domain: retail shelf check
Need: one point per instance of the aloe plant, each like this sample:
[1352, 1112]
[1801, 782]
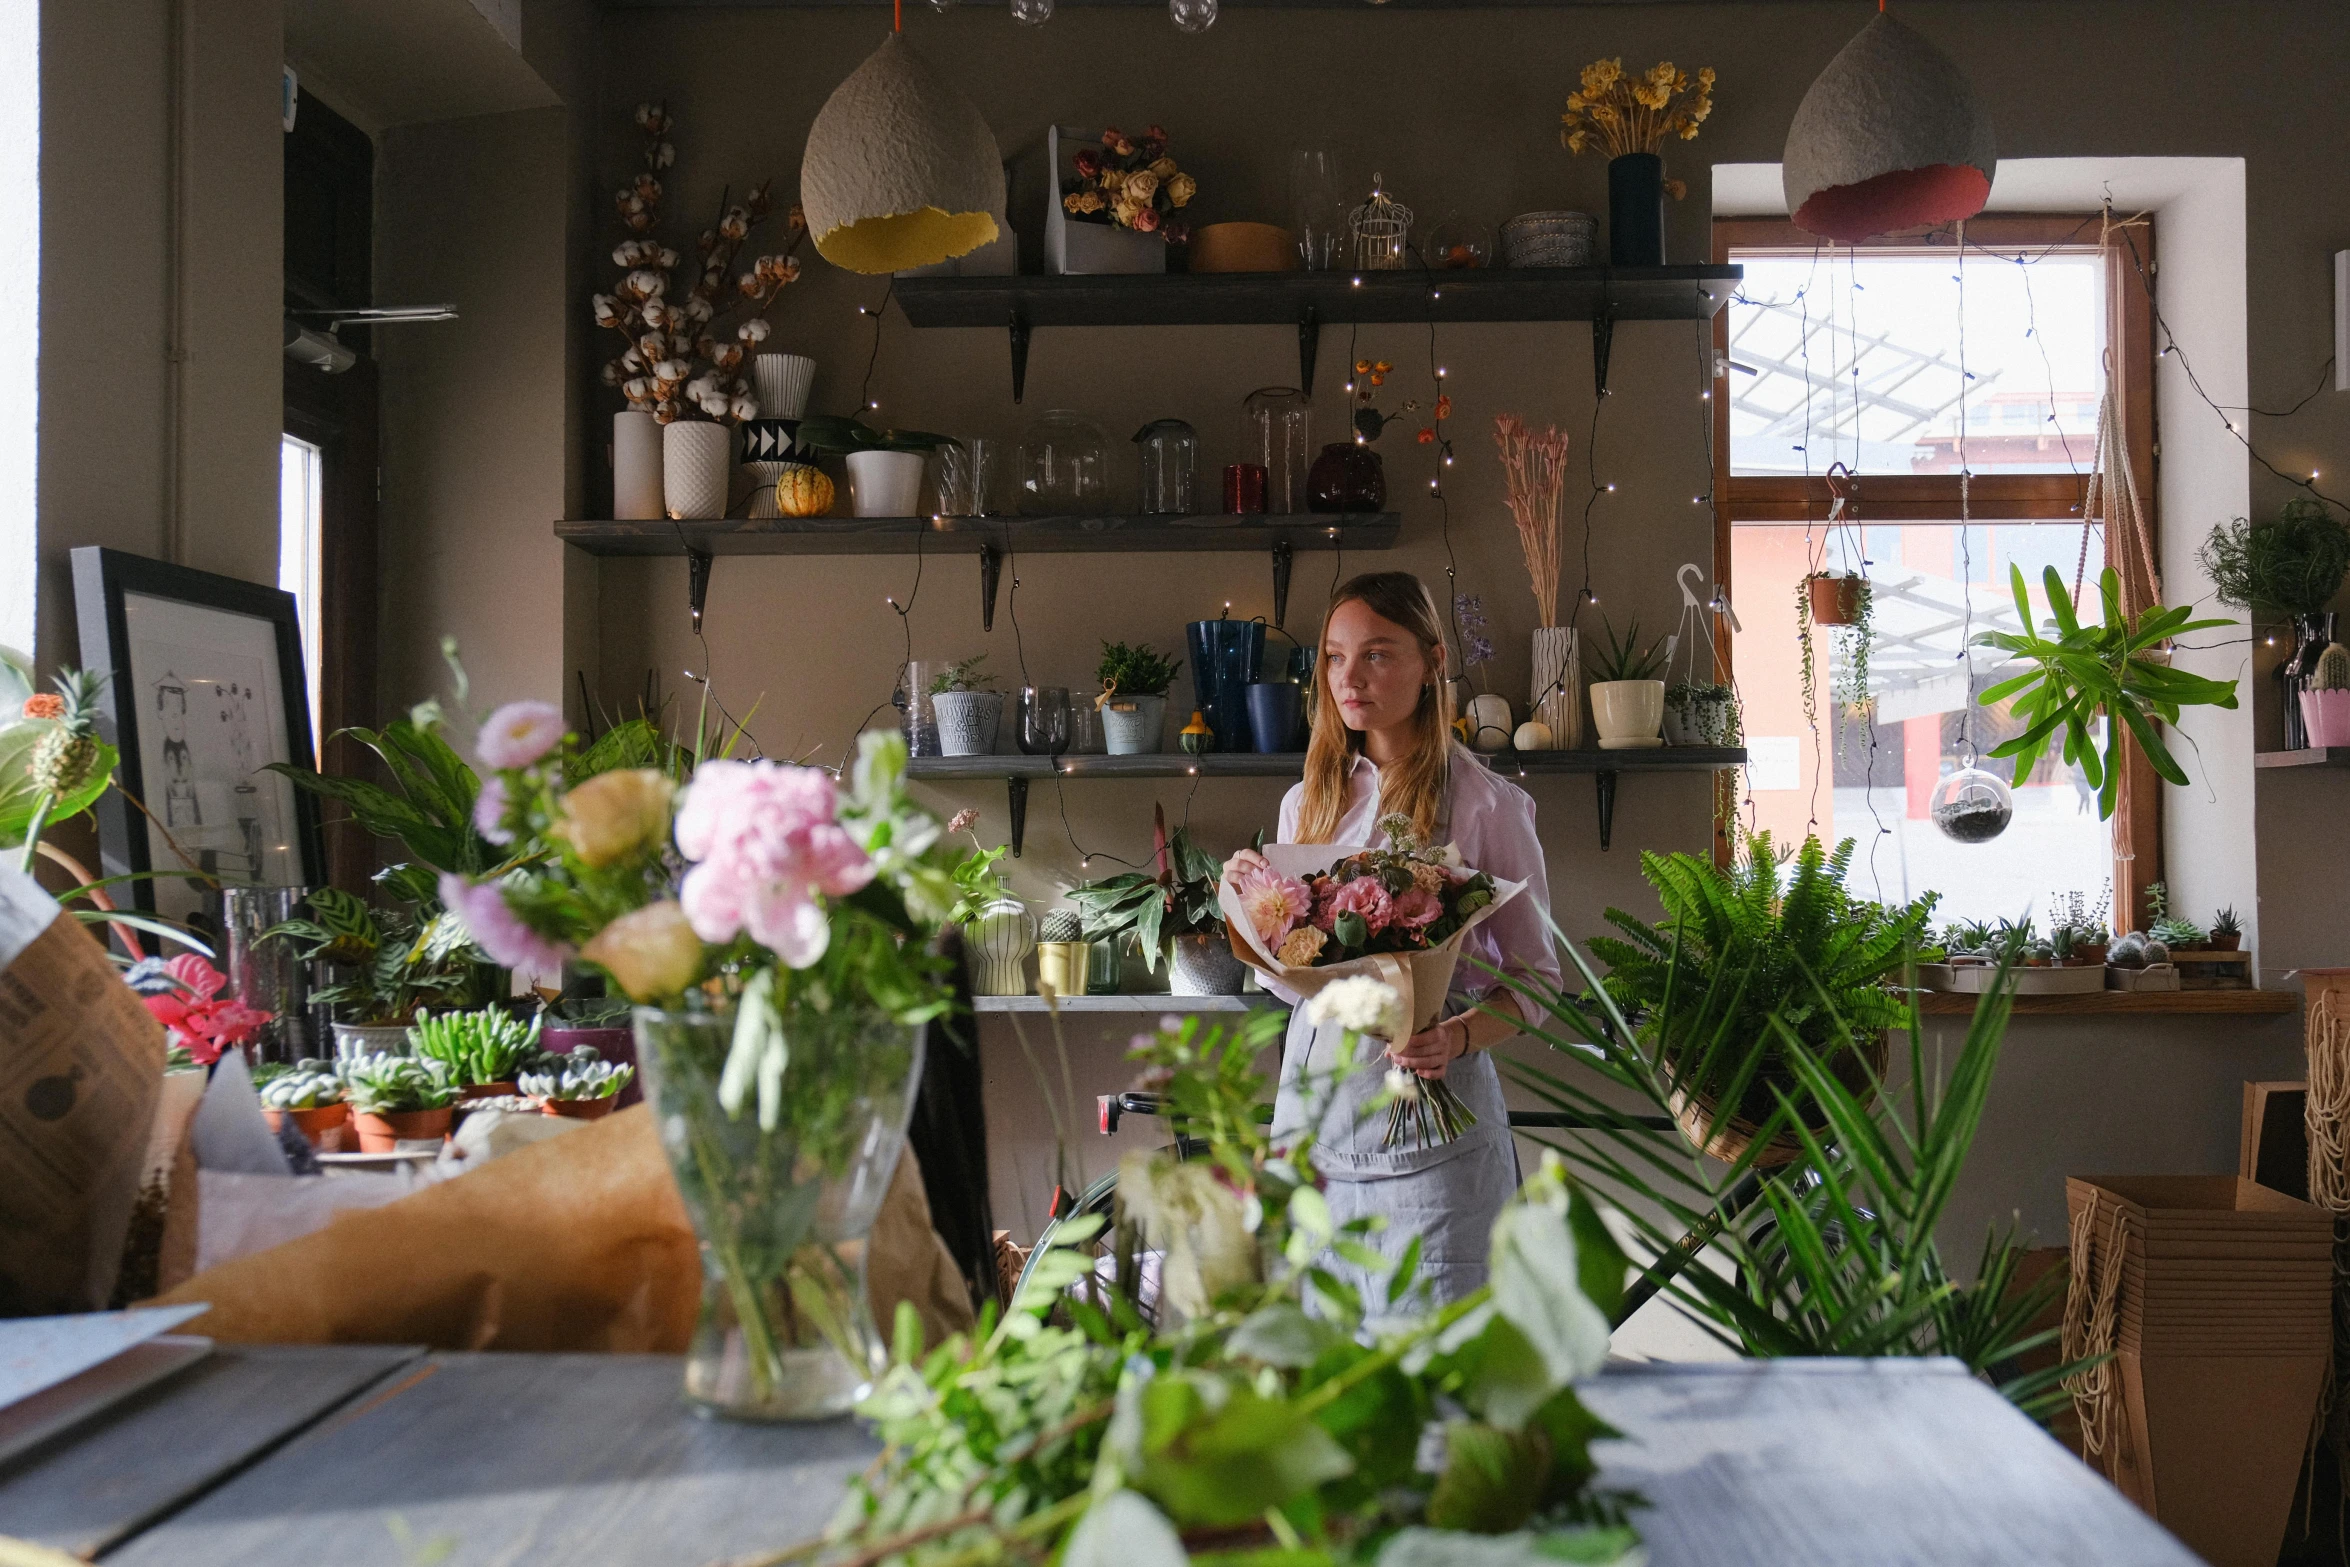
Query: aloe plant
[2117, 670]
[380, 1083]
[487, 1046]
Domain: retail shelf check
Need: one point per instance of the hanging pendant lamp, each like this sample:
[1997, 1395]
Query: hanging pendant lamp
[901, 170]
[1889, 137]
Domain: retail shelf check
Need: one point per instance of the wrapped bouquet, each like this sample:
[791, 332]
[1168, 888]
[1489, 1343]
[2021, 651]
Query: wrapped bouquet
[1323, 912]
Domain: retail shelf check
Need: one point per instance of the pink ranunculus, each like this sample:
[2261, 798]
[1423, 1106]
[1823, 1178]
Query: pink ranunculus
[1417, 910]
[489, 810]
[518, 734]
[1366, 897]
[499, 931]
[1276, 904]
[766, 844]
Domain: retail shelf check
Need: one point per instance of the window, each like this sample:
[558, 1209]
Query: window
[301, 482]
[1970, 453]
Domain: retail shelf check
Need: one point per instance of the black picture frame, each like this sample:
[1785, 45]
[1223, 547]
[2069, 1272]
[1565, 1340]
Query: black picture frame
[128, 838]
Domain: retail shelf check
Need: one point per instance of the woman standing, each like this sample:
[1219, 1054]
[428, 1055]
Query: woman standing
[1383, 745]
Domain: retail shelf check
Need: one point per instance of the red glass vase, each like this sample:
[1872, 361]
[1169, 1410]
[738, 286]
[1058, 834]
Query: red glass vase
[1347, 477]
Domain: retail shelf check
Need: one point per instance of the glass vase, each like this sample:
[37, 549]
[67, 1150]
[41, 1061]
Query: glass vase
[782, 1213]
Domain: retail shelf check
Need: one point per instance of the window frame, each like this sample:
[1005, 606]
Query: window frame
[2036, 497]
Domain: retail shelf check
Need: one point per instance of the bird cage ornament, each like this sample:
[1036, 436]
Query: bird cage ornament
[1380, 229]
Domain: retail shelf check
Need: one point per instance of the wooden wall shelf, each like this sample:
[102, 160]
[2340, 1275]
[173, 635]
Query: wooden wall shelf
[970, 535]
[2311, 756]
[2128, 1003]
[1602, 296]
[1602, 766]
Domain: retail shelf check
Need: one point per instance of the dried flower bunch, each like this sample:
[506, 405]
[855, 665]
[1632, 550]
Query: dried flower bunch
[682, 361]
[1625, 114]
[1535, 467]
[1369, 422]
[1132, 183]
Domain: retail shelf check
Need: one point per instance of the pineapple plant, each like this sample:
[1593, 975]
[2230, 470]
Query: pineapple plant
[68, 756]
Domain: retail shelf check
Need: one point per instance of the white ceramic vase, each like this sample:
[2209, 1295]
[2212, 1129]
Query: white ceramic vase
[783, 381]
[967, 721]
[1490, 723]
[1558, 679]
[636, 467]
[697, 462]
[1136, 733]
[885, 484]
[998, 941]
[1205, 966]
[1628, 713]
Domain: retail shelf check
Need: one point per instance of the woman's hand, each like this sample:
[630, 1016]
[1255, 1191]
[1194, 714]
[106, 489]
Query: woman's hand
[1245, 860]
[1431, 1050]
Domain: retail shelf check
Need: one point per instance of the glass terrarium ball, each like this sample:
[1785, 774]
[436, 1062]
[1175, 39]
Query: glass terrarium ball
[1192, 16]
[1973, 806]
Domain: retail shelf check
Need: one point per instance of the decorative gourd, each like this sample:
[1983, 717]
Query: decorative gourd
[1532, 735]
[803, 492]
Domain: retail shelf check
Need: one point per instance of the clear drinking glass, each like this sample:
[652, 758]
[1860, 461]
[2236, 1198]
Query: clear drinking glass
[1169, 452]
[1317, 208]
[1277, 432]
[918, 717]
[1085, 728]
[1044, 720]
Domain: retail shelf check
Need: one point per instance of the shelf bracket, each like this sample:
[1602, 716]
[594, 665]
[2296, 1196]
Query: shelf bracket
[1016, 798]
[697, 579]
[1606, 779]
[1020, 330]
[1309, 347]
[991, 572]
[1603, 342]
[1284, 557]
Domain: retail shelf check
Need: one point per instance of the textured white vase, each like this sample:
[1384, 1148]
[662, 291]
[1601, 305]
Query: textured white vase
[636, 467]
[696, 465]
[1558, 681]
[998, 942]
[885, 484]
[1628, 713]
[783, 381]
[967, 721]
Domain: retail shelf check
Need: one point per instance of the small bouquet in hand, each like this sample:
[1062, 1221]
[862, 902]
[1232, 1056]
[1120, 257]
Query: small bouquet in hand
[1397, 914]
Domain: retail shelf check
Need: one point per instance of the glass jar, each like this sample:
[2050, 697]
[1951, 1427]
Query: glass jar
[1169, 450]
[1276, 434]
[1064, 465]
[1044, 720]
[1972, 805]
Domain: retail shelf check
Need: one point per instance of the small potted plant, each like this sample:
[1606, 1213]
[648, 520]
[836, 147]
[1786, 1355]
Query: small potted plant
[2227, 931]
[998, 930]
[1700, 713]
[1063, 955]
[397, 1099]
[485, 1052]
[308, 1093]
[968, 707]
[1627, 698]
[2084, 924]
[580, 1086]
[1134, 697]
[2325, 699]
[1173, 913]
[389, 965]
[1837, 598]
[599, 1023]
[885, 466]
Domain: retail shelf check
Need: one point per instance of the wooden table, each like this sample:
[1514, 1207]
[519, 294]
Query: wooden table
[375, 1457]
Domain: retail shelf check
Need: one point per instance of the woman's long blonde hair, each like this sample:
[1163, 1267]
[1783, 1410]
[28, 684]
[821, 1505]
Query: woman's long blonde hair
[1415, 786]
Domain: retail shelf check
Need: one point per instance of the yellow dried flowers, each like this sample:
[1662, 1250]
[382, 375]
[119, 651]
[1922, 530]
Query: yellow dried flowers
[1623, 114]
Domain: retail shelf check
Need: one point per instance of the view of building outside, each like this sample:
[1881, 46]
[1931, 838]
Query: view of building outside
[1876, 345]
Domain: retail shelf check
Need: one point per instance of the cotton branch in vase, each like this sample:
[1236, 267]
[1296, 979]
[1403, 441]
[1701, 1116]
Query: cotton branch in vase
[1535, 467]
[685, 353]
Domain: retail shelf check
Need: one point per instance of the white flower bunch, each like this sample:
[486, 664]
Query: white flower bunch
[1359, 1004]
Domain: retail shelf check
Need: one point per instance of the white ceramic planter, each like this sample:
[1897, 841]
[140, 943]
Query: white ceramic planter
[697, 463]
[967, 721]
[1558, 678]
[1490, 722]
[1628, 713]
[1205, 966]
[1138, 733]
[359, 1039]
[885, 484]
[636, 467]
[1708, 720]
[998, 942]
[783, 381]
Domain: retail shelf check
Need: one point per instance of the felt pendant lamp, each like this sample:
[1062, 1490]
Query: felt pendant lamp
[901, 170]
[1890, 137]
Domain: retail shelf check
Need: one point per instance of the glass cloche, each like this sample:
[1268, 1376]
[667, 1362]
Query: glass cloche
[1064, 465]
[1973, 805]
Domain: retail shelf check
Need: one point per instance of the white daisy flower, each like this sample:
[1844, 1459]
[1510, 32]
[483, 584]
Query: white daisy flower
[1358, 1004]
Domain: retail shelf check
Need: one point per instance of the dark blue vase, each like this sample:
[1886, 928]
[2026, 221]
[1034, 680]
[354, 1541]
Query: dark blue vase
[1274, 709]
[1226, 656]
[1636, 210]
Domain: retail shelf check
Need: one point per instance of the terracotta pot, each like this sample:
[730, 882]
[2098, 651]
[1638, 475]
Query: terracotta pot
[2089, 954]
[2227, 943]
[578, 1109]
[1835, 601]
[379, 1133]
[321, 1125]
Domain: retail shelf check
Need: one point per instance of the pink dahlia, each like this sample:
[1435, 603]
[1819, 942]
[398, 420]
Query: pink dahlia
[499, 931]
[1417, 910]
[767, 843]
[1276, 904]
[1366, 897]
[518, 734]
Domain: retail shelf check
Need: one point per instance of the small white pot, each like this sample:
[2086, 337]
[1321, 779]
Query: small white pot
[1139, 733]
[1628, 713]
[998, 942]
[967, 721]
[697, 464]
[636, 467]
[783, 381]
[359, 1039]
[885, 484]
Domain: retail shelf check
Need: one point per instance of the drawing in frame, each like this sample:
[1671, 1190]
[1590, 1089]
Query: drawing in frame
[207, 689]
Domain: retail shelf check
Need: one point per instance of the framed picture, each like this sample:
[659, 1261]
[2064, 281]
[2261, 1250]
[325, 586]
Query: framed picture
[206, 691]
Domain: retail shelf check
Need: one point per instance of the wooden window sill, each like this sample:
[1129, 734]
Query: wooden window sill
[2127, 1003]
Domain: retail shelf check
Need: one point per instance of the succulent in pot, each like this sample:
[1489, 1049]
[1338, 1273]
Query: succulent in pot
[968, 708]
[483, 1052]
[1133, 699]
[396, 1099]
[310, 1094]
[2177, 933]
[2227, 930]
[580, 1085]
[1627, 698]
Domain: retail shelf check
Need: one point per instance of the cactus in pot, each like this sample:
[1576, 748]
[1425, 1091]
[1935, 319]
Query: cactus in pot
[2325, 701]
[1062, 953]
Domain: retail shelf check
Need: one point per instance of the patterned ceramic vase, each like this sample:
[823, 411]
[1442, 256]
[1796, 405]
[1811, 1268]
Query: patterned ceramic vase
[998, 941]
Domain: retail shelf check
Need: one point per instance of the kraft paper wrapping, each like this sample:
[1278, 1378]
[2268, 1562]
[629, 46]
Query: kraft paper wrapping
[1420, 979]
[81, 1067]
[576, 1243]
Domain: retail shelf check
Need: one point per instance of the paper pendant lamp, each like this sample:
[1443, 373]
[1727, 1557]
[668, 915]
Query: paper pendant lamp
[1890, 137]
[900, 171]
